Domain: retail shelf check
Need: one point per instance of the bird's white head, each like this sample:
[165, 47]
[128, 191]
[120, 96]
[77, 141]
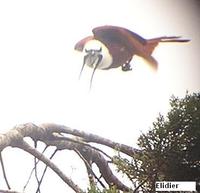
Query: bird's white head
[93, 49]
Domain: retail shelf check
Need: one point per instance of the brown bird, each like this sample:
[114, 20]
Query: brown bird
[112, 47]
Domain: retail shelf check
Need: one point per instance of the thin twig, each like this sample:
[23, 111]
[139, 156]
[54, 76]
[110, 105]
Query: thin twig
[29, 178]
[42, 177]
[136, 189]
[35, 166]
[4, 171]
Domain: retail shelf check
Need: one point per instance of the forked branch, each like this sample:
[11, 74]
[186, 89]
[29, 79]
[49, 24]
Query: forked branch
[62, 138]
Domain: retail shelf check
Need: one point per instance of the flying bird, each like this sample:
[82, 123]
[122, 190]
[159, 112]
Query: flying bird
[113, 47]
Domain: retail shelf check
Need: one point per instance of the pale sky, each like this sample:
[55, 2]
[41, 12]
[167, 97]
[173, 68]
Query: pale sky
[39, 68]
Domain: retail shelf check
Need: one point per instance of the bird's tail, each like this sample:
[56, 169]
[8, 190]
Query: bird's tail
[168, 39]
[152, 43]
[151, 61]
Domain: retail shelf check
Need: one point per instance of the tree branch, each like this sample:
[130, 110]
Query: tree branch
[103, 166]
[91, 173]
[52, 135]
[88, 137]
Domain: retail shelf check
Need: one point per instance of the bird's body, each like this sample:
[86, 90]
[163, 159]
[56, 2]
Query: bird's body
[118, 46]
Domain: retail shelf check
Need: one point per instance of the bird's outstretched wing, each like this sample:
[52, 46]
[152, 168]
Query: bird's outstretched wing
[115, 33]
[119, 36]
[79, 46]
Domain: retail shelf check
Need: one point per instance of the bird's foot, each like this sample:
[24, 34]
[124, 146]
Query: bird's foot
[126, 67]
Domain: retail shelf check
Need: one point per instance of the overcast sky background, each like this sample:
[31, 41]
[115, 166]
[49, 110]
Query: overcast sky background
[39, 68]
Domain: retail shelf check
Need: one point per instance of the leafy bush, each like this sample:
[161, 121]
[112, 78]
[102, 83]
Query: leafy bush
[170, 150]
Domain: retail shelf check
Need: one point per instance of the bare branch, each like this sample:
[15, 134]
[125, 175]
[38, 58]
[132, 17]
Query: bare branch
[45, 132]
[81, 143]
[52, 135]
[103, 166]
[88, 137]
[89, 169]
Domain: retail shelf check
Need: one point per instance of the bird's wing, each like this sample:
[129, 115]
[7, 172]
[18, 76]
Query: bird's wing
[118, 35]
[114, 32]
[80, 45]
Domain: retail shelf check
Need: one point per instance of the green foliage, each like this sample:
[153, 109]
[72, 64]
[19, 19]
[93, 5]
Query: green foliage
[171, 149]
[95, 189]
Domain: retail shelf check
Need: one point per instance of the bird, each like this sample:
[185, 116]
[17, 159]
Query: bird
[113, 46]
